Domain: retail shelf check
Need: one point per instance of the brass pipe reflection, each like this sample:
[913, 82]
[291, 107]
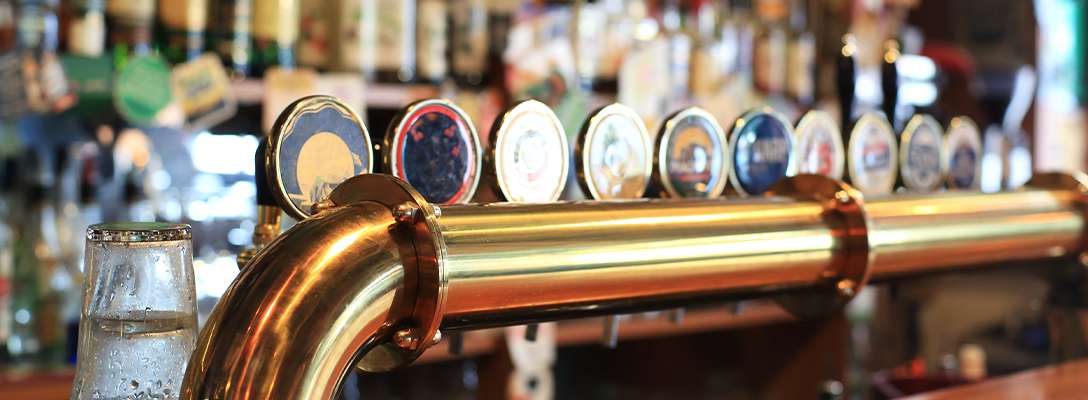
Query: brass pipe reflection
[513, 264]
[919, 234]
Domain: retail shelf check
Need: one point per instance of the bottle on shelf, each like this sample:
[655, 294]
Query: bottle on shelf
[7, 24]
[738, 36]
[469, 42]
[9, 213]
[316, 33]
[801, 60]
[390, 49]
[275, 34]
[181, 28]
[707, 57]
[40, 282]
[618, 37]
[431, 41]
[679, 56]
[87, 27]
[769, 67]
[129, 25]
[230, 25]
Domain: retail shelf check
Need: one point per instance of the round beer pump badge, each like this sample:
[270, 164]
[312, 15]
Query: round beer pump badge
[819, 145]
[613, 156]
[317, 143]
[963, 150]
[762, 145]
[871, 155]
[433, 146]
[690, 156]
[920, 154]
[529, 154]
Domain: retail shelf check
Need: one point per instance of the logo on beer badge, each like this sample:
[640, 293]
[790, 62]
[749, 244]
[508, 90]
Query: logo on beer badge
[920, 154]
[317, 143]
[434, 147]
[529, 154]
[819, 145]
[690, 157]
[871, 155]
[613, 156]
[963, 153]
[762, 145]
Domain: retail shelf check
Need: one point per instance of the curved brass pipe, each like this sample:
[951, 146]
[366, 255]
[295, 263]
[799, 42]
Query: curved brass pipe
[380, 269]
[301, 315]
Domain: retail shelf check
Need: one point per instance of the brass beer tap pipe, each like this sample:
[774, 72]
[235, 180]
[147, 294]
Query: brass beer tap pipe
[369, 281]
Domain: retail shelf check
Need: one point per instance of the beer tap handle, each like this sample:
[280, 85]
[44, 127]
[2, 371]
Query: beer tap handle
[889, 81]
[846, 75]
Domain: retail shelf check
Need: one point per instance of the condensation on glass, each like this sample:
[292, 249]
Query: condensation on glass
[139, 317]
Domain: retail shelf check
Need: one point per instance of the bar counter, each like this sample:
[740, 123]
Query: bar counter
[1056, 382]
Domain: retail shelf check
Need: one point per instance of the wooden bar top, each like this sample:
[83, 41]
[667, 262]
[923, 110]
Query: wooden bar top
[1056, 382]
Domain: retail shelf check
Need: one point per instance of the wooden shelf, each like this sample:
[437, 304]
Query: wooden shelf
[589, 331]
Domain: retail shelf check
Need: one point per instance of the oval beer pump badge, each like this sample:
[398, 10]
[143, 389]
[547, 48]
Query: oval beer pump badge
[690, 155]
[872, 155]
[528, 155]
[920, 155]
[433, 146]
[963, 154]
[613, 156]
[762, 146]
[317, 143]
[819, 145]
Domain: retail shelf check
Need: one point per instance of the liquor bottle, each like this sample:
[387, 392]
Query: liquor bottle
[679, 56]
[739, 37]
[230, 27]
[87, 28]
[316, 19]
[707, 58]
[38, 35]
[393, 23]
[181, 28]
[7, 24]
[469, 43]
[129, 25]
[40, 282]
[801, 77]
[431, 44]
[275, 34]
[9, 211]
[618, 38]
[771, 48]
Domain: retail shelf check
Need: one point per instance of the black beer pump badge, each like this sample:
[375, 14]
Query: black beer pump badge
[317, 143]
[433, 146]
[762, 145]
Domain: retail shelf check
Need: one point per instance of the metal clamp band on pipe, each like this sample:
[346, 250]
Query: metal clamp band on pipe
[371, 279]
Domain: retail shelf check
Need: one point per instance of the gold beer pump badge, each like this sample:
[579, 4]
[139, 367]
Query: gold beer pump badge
[690, 156]
[317, 143]
[613, 155]
[528, 157]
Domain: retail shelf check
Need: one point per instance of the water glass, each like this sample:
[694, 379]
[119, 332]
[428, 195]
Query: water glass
[139, 316]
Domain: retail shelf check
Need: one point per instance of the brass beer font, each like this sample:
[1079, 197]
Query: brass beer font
[369, 281]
